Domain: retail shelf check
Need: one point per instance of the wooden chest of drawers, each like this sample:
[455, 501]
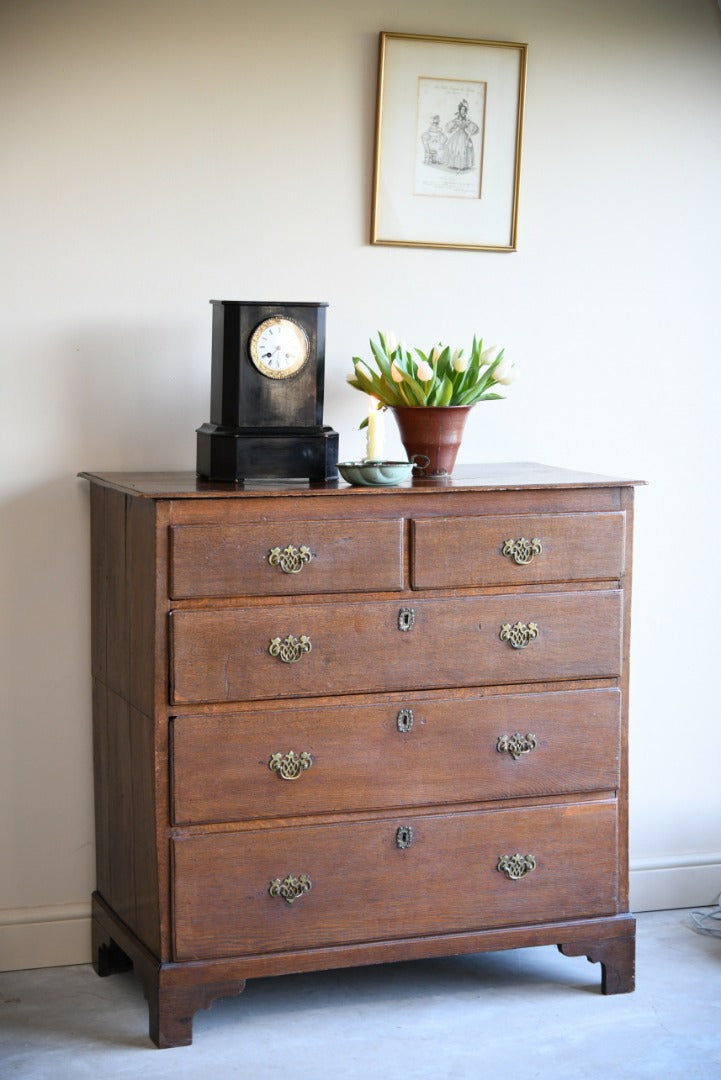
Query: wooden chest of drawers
[340, 726]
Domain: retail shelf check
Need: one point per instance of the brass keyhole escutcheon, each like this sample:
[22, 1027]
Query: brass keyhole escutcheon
[406, 618]
[404, 720]
[404, 837]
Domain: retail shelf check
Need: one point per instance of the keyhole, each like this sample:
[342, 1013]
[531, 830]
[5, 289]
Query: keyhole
[404, 837]
[404, 720]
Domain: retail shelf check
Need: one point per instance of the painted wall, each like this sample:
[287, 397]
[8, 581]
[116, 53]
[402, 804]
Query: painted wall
[159, 154]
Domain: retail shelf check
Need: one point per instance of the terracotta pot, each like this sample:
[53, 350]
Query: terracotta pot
[434, 431]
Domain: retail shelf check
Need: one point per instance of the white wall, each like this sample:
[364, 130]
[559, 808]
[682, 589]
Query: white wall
[158, 153]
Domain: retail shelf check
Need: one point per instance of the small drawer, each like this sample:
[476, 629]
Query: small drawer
[286, 558]
[294, 762]
[301, 887]
[517, 550]
[313, 650]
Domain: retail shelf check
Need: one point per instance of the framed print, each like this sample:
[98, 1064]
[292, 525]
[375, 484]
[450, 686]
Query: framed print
[447, 159]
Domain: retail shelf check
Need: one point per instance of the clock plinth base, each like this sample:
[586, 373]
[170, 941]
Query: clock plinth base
[238, 454]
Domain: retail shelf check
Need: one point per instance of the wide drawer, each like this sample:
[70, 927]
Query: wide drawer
[295, 761]
[517, 550]
[355, 883]
[286, 558]
[236, 654]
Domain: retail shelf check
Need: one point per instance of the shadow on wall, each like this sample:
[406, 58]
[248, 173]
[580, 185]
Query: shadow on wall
[115, 398]
[46, 760]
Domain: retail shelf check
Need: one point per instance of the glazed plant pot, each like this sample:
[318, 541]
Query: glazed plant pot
[434, 431]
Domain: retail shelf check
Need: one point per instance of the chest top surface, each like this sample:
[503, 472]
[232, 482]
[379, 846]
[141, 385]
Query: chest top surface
[496, 476]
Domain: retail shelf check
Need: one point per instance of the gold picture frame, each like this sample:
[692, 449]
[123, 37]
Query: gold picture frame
[449, 125]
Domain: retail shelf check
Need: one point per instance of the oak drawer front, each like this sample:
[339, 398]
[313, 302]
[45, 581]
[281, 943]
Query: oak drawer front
[306, 761]
[280, 559]
[236, 654]
[352, 882]
[453, 552]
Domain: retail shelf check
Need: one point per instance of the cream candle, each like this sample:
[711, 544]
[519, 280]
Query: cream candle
[375, 431]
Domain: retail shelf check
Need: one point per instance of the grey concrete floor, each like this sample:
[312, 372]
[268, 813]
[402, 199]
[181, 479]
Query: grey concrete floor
[532, 1013]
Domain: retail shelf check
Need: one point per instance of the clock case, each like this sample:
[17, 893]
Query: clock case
[264, 428]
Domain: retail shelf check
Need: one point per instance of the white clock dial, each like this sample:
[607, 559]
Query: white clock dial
[279, 347]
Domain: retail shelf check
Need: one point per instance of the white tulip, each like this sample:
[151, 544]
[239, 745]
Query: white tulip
[391, 342]
[459, 362]
[489, 355]
[363, 371]
[505, 373]
[425, 371]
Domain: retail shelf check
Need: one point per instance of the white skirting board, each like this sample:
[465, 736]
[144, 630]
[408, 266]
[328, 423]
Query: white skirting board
[59, 934]
[686, 881]
[51, 936]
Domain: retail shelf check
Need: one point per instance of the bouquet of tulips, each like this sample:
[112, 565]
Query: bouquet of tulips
[439, 377]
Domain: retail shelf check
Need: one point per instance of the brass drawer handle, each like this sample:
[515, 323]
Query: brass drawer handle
[290, 560]
[520, 634]
[290, 649]
[522, 550]
[289, 766]
[290, 888]
[516, 744]
[516, 866]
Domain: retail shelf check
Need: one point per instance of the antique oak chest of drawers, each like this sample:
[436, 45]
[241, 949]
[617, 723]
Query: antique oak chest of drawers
[338, 726]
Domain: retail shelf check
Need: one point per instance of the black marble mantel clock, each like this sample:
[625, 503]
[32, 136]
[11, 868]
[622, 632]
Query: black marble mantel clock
[266, 395]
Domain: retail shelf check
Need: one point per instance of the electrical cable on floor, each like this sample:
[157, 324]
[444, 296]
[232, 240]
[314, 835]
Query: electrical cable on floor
[703, 922]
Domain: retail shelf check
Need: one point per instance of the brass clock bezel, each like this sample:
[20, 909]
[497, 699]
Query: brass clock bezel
[298, 363]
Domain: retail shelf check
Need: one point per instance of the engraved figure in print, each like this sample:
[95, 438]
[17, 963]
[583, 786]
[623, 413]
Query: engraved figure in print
[459, 150]
[434, 142]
